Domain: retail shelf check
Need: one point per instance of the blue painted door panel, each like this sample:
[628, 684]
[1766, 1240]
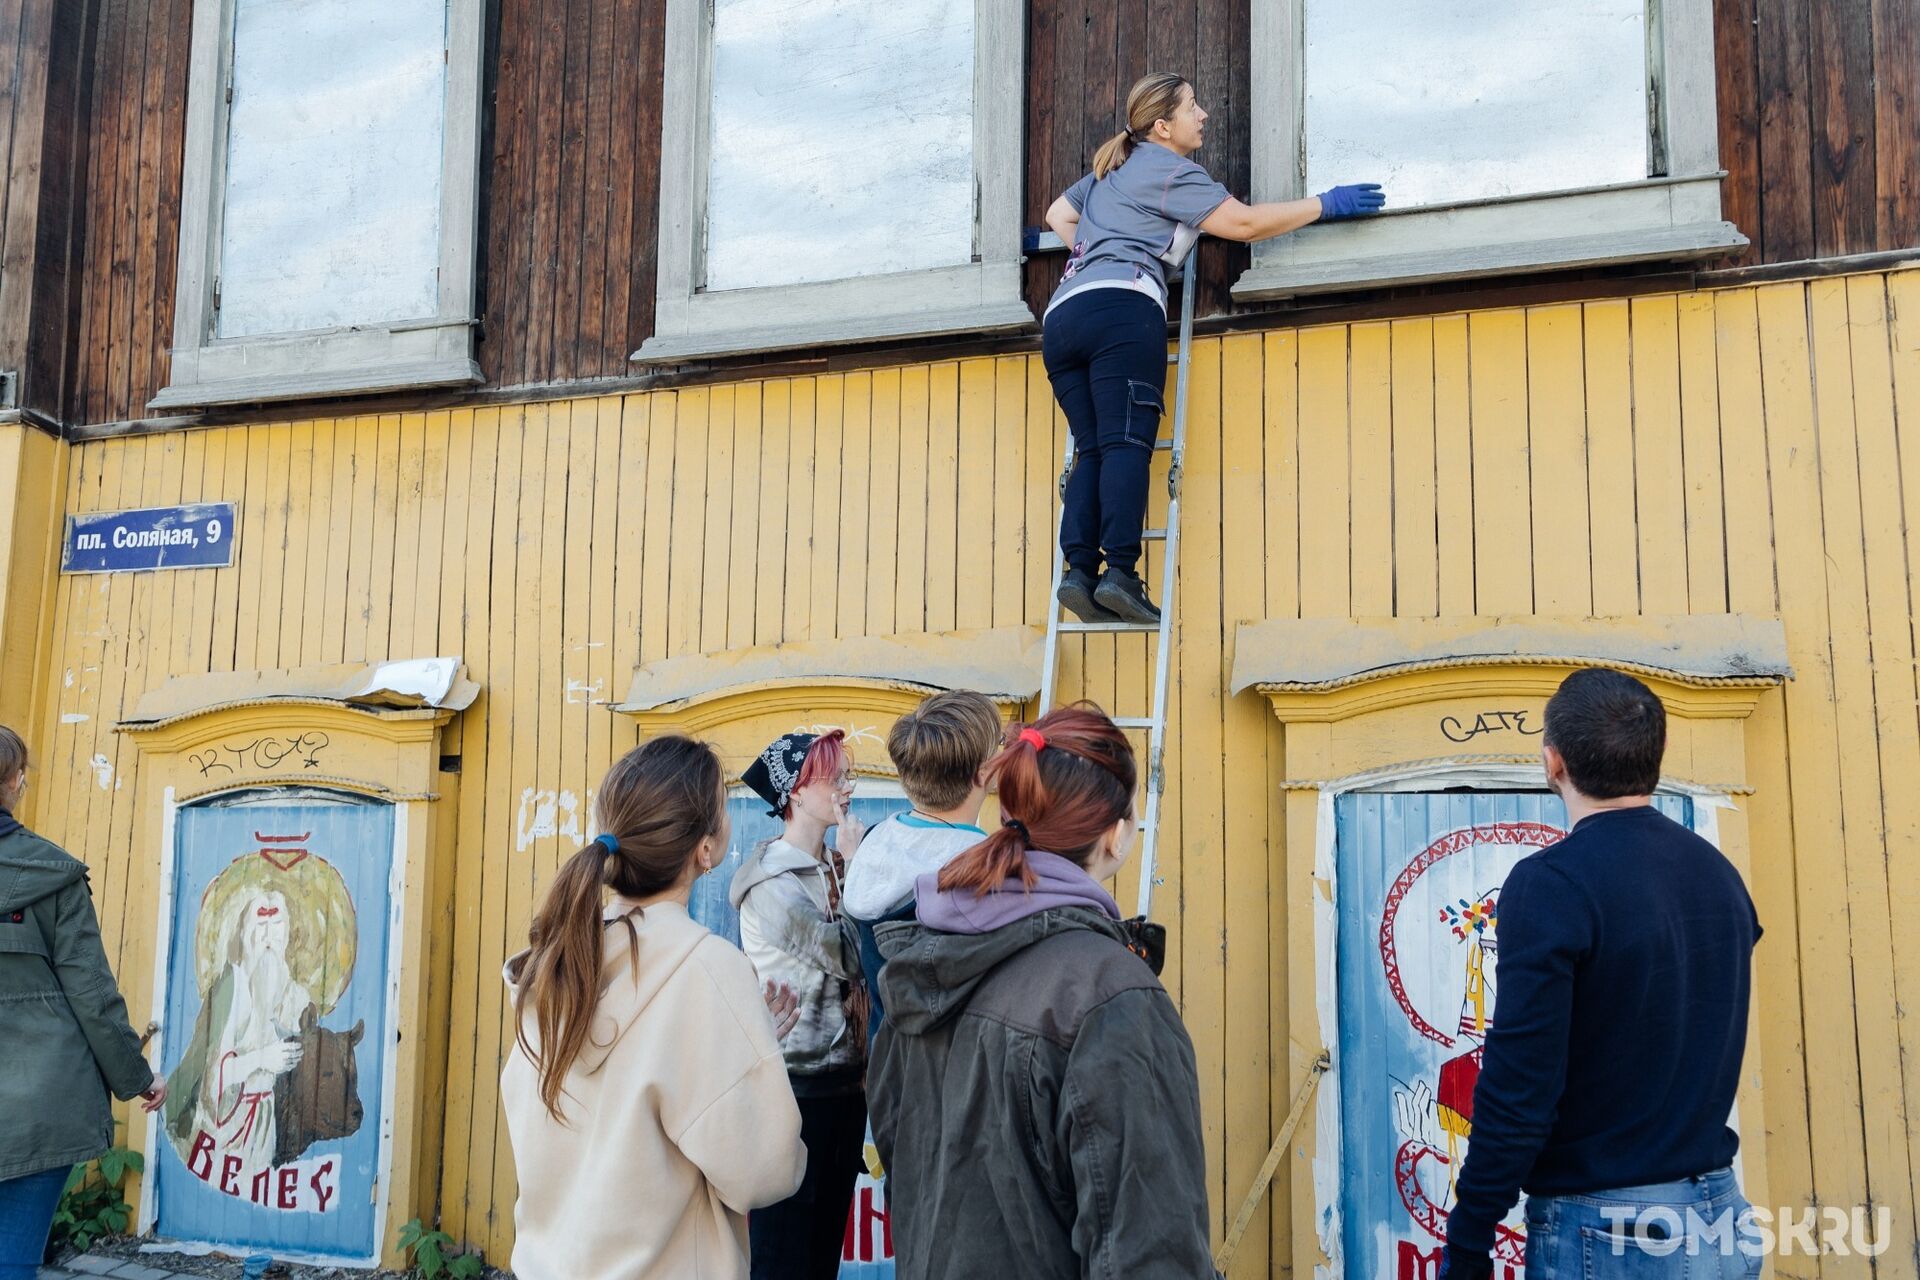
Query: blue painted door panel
[868, 1252]
[1418, 879]
[276, 1023]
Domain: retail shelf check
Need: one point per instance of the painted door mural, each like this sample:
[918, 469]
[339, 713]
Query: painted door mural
[867, 1253]
[1418, 883]
[276, 1018]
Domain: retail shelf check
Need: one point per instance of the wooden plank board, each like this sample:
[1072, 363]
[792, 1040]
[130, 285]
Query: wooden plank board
[659, 417]
[1786, 130]
[1832, 1032]
[1416, 559]
[943, 497]
[684, 558]
[884, 483]
[910, 587]
[1891, 701]
[1658, 460]
[1700, 448]
[1009, 476]
[1370, 471]
[743, 562]
[1453, 465]
[772, 536]
[1324, 505]
[1615, 547]
[1502, 529]
[1280, 463]
[1896, 122]
[829, 408]
[635, 525]
[1841, 69]
[1874, 1010]
[1245, 782]
[1557, 429]
[973, 572]
[1198, 853]
[1736, 67]
[856, 499]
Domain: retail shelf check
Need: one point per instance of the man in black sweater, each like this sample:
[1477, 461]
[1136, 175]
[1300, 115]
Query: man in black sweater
[1614, 1055]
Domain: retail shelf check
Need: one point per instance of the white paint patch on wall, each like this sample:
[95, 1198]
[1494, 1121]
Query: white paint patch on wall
[102, 770]
[580, 691]
[545, 815]
[75, 717]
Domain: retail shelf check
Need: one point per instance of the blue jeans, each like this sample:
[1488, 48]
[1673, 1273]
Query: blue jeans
[1685, 1230]
[1106, 355]
[26, 1215]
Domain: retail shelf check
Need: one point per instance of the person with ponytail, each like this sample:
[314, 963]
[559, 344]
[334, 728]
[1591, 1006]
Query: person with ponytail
[1033, 1091]
[645, 1095]
[1104, 335]
[788, 894]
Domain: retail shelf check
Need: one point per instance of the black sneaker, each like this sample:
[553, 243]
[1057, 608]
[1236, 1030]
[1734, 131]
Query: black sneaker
[1122, 593]
[1076, 593]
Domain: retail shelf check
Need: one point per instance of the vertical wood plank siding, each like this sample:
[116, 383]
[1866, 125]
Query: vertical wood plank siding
[1819, 117]
[1750, 450]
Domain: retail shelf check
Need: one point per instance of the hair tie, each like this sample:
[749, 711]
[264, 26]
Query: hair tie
[610, 844]
[1020, 827]
[1035, 737]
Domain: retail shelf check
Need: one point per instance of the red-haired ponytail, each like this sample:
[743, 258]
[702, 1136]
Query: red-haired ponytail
[1063, 782]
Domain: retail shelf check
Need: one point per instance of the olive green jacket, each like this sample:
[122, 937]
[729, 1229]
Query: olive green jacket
[63, 1023]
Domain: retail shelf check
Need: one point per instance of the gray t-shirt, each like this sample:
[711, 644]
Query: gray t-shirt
[1135, 221]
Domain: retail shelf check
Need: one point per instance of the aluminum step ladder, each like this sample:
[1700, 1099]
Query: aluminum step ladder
[1059, 624]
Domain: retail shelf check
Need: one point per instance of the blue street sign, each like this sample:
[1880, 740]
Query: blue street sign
[196, 536]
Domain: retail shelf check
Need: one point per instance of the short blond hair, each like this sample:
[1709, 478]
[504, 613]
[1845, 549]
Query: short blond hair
[940, 746]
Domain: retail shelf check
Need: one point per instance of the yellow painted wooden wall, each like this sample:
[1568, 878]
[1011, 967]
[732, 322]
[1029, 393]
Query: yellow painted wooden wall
[1741, 450]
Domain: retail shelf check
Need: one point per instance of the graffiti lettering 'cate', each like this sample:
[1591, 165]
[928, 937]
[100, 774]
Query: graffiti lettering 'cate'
[262, 1081]
[1457, 730]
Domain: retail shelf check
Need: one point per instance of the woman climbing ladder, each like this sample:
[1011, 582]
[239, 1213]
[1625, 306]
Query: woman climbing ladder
[1105, 331]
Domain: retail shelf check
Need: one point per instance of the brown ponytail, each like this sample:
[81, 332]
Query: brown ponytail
[1153, 98]
[1064, 781]
[659, 801]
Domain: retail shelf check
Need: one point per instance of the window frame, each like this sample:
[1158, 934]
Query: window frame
[981, 296]
[428, 351]
[1672, 216]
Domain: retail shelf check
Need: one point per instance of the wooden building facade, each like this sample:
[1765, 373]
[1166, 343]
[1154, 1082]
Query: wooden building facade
[1703, 468]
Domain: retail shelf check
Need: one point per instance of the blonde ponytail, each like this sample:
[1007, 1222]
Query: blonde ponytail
[1112, 153]
[1153, 98]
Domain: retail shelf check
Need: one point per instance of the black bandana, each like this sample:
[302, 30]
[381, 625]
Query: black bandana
[772, 776]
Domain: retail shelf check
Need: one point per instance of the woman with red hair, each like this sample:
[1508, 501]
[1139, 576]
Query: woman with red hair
[1033, 1090]
[792, 928]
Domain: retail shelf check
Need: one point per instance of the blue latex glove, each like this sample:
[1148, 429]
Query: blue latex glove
[1354, 201]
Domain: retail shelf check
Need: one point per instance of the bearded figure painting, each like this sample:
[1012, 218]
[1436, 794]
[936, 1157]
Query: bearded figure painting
[279, 970]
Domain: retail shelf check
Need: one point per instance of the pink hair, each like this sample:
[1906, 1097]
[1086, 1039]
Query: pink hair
[825, 760]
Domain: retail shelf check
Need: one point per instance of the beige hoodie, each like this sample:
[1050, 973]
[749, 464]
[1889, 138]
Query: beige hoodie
[679, 1117]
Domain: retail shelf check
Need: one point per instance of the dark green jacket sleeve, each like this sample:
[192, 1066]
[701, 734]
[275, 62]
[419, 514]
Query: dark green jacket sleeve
[80, 963]
[1131, 1125]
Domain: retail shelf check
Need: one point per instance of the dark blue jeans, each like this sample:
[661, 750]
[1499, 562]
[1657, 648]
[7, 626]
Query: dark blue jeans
[26, 1215]
[1106, 354]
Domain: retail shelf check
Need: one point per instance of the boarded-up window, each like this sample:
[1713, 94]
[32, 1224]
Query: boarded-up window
[1509, 136]
[332, 201]
[329, 200]
[842, 139]
[837, 171]
[1447, 100]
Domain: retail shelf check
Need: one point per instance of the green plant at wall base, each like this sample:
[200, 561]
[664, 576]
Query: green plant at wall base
[429, 1253]
[92, 1206]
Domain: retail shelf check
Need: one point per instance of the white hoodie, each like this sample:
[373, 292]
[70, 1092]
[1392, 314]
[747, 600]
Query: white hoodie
[898, 852]
[679, 1117]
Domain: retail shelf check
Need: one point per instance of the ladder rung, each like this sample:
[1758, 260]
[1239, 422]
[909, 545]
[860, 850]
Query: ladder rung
[1083, 628]
[1153, 535]
[1133, 722]
[1174, 358]
[1163, 444]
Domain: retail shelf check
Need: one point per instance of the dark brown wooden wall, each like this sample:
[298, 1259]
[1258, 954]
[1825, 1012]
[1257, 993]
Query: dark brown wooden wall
[43, 78]
[1819, 117]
